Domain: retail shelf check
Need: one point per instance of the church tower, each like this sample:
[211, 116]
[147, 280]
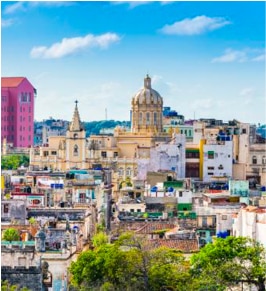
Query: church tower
[147, 108]
[75, 142]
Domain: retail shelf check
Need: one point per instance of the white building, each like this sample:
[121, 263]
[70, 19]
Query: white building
[218, 160]
[251, 222]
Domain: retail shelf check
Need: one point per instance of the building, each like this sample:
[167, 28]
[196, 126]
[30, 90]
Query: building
[122, 151]
[17, 111]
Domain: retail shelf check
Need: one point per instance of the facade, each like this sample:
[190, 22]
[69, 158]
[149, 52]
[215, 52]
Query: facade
[123, 150]
[17, 111]
[251, 222]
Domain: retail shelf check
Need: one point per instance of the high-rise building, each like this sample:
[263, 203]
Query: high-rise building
[17, 111]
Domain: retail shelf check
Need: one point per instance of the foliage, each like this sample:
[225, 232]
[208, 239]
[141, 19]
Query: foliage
[11, 234]
[32, 221]
[94, 127]
[128, 264]
[99, 239]
[13, 162]
[6, 286]
[230, 261]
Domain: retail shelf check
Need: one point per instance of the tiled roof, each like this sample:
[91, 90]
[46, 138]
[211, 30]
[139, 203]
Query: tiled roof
[152, 227]
[145, 227]
[11, 81]
[184, 245]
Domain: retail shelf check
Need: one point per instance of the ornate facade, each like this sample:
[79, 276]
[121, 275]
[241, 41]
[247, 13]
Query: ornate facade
[122, 151]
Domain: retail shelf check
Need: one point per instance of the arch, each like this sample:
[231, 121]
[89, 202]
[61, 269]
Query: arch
[148, 118]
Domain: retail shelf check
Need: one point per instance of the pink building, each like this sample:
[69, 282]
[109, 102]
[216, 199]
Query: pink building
[17, 111]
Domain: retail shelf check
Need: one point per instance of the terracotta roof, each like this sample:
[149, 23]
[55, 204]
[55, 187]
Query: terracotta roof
[145, 227]
[11, 81]
[184, 245]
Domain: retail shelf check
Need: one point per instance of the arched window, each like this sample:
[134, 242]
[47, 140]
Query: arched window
[264, 160]
[76, 150]
[148, 121]
[254, 160]
[154, 117]
[140, 118]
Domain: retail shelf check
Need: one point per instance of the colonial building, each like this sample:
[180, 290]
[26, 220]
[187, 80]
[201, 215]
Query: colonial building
[124, 149]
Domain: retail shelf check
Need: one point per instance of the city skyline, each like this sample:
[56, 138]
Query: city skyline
[206, 59]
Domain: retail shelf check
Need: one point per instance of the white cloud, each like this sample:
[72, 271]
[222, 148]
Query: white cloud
[231, 56]
[194, 26]
[12, 8]
[240, 56]
[260, 58]
[7, 22]
[132, 4]
[72, 45]
[247, 92]
[24, 5]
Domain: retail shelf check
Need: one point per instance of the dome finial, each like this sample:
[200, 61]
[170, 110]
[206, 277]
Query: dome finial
[147, 82]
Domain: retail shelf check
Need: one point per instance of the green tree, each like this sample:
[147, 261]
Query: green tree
[12, 162]
[229, 262]
[11, 234]
[128, 264]
[6, 286]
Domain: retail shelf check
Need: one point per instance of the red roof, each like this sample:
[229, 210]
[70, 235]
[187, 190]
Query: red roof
[11, 81]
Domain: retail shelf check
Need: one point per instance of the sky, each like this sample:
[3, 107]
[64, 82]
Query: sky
[206, 59]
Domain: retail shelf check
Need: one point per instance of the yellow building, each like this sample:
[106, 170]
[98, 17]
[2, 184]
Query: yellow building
[120, 152]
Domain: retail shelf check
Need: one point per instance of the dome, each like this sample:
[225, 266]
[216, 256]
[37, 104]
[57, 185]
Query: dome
[147, 95]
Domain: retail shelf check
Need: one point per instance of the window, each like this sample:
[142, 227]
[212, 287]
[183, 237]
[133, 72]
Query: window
[53, 153]
[180, 194]
[104, 155]
[210, 168]
[29, 109]
[155, 118]
[131, 210]
[128, 172]
[244, 130]
[29, 118]
[140, 118]
[115, 154]
[224, 217]
[254, 160]
[221, 167]
[120, 171]
[76, 150]
[210, 173]
[148, 118]
[23, 97]
[45, 153]
[29, 138]
[210, 154]
[264, 160]
[6, 208]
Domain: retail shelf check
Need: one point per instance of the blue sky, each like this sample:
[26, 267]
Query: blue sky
[206, 59]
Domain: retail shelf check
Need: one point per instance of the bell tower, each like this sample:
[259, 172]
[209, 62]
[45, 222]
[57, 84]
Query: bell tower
[75, 142]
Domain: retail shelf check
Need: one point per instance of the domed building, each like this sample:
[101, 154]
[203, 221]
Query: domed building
[147, 107]
[123, 151]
